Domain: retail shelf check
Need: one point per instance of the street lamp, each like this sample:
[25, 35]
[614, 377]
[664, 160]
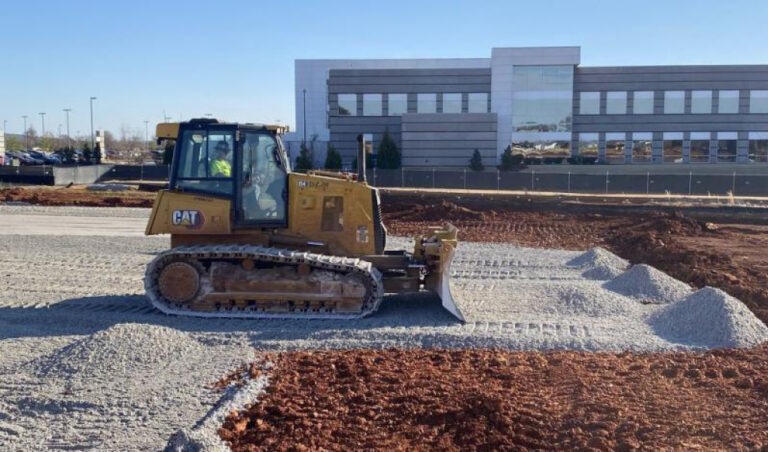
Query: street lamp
[5, 123]
[93, 137]
[26, 135]
[146, 134]
[42, 117]
[69, 139]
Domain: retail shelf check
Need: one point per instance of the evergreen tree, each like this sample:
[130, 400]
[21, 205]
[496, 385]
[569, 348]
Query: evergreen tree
[168, 153]
[304, 160]
[87, 153]
[368, 162]
[332, 158]
[476, 162]
[389, 156]
[510, 161]
[97, 154]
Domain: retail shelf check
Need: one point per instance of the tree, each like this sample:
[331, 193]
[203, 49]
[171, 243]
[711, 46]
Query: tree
[87, 153]
[168, 152]
[97, 154]
[368, 162]
[332, 158]
[389, 156]
[47, 142]
[510, 161]
[476, 162]
[304, 159]
[13, 143]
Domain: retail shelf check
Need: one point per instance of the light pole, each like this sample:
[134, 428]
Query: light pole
[42, 118]
[304, 95]
[69, 139]
[93, 137]
[26, 135]
[146, 134]
[5, 123]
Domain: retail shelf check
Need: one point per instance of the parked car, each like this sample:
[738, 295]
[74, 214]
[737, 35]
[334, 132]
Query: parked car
[48, 159]
[24, 158]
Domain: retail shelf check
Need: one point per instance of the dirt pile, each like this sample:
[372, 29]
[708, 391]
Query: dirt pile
[59, 196]
[443, 211]
[649, 285]
[710, 316]
[398, 400]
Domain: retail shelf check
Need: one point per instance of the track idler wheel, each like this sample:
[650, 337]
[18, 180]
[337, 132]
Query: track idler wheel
[179, 282]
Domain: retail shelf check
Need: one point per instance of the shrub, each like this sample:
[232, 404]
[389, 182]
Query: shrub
[304, 160]
[510, 161]
[332, 159]
[476, 162]
[389, 156]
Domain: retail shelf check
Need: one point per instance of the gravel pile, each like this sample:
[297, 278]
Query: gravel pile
[599, 264]
[648, 285]
[594, 303]
[709, 317]
[120, 351]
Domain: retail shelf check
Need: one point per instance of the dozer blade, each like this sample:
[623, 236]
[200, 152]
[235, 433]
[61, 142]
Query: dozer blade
[439, 250]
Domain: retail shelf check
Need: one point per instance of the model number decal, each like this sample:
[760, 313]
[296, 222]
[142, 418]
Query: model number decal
[192, 219]
[313, 184]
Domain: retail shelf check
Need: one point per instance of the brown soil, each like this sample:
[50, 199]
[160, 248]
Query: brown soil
[732, 257]
[60, 196]
[484, 400]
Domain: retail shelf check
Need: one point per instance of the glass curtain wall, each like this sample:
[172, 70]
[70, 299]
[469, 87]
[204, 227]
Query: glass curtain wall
[451, 102]
[758, 101]
[347, 104]
[542, 98]
[726, 147]
[588, 147]
[699, 147]
[728, 101]
[672, 147]
[426, 103]
[616, 103]
[397, 104]
[477, 103]
[701, 102]
[615, 148]
[758, 147]
[642, 147]
[642, 102]
[372, 105]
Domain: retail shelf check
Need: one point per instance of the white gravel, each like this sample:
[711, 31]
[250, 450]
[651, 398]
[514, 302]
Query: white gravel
[710, 318]
[599, 263]
[87, 364]
[648, 285]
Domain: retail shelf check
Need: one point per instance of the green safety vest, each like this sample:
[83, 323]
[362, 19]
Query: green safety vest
[221, 168]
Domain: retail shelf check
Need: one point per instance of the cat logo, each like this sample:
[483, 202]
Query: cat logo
[192, 219]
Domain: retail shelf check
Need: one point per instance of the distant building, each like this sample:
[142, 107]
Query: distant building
[540, 102]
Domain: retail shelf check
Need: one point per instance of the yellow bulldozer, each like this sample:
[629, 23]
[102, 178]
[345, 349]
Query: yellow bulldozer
[252, 239]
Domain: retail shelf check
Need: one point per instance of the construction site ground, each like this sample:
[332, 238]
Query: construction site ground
[86, 363]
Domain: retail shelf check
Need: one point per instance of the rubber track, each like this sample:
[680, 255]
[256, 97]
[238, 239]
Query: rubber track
[337, 264]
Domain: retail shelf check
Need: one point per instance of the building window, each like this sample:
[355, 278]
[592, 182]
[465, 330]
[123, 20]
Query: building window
[614, 148]
[542, 98]
[616, 102]
[700, 147]
[672, 147]
[674, 102]
[726, 147]
[758, 101]
[728, 101]
[477, 103]
[451, 102]
[426, 103]
[642, 102]
[701, 101]
[642, 147]
[398, 104]
[372, 104]
[588, 147]
[347, 104]
[589, 103]
[758, 147]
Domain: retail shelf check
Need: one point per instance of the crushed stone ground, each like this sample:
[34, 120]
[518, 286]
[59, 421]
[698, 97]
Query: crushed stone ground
[481, 400]
[649, 285]
[61, 294]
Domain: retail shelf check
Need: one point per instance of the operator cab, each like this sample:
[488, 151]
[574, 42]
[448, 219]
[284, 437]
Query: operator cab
[245, 163]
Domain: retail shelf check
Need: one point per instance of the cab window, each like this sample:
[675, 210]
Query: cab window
[263, 179]
[205, 162]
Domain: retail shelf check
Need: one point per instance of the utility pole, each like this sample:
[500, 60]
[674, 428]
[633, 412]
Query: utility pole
[305, 116]
[26, 135]
[69, 139]
[5, 123]
[42, 117]
[93, 137]
[146, 134]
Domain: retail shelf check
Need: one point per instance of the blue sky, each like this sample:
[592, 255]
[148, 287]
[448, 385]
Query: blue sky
[234, 59]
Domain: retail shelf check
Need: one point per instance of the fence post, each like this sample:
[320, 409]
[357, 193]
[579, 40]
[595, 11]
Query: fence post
[433, 178]
[569, 181]
[465, 178]
[733, 185]
[647, 182]
[690, 181]
[533, 183]
[498, 180]
[606, 181]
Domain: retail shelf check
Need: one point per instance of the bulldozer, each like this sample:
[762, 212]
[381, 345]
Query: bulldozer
[250, 238]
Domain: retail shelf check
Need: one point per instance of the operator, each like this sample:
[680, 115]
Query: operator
[220, 166]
